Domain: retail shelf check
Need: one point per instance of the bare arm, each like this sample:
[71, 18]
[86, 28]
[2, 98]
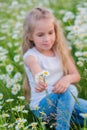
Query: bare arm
[73, 76]
[35, 68]
[33, 65]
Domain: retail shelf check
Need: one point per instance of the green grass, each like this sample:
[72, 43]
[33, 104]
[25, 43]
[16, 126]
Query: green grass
[12, 14]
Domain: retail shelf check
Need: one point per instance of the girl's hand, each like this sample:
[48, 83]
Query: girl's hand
[62, 85]
[40, 86]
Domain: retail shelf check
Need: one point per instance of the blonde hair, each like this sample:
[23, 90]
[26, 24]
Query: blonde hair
[60, 44]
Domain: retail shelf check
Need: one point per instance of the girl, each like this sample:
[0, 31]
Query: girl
[50, 69]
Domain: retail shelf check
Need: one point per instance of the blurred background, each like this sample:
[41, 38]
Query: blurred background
[73, 19]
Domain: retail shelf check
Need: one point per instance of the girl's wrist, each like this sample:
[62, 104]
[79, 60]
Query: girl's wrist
[71, 78]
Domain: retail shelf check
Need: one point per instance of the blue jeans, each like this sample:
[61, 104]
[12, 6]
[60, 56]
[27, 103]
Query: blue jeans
[80, 107]
[57, 107]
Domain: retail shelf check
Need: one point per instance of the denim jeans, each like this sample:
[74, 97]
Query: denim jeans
[80, 107]
[58, 107]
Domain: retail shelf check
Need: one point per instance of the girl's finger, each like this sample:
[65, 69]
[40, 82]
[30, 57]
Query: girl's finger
[38, 89]
[42, 84]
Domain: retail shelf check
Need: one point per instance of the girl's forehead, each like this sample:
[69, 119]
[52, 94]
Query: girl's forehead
[44, 20]
[44, 24]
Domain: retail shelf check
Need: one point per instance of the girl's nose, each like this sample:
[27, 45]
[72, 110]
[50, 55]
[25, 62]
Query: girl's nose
[46, 38]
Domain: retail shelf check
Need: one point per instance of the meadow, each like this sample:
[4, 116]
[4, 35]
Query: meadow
[72, 15]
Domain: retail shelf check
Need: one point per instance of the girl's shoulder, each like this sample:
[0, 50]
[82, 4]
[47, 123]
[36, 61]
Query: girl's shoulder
[29, 52]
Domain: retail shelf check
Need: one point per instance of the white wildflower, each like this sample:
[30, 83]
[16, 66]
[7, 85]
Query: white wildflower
[2, 76]
[20, 123]
[9, 82]
[21, 97]
[18, 108]
[10, 125]
[18, 86]
[18, 76]
[85, 53]
[25, 111]
[41, 76]
[8, 85]
[80, 63]
[6, 124]
[18, 126]
[9, 100]
[33, 125]
[1, 102]
[9, 44]
[1, 96]
[84, 115]
[9, 68]
[21, 120]
[0, 107]
[5, 115]
[2, 38]
[15, 36]
[68, 15]
[16, 58]
[77, 54]
[15, 89]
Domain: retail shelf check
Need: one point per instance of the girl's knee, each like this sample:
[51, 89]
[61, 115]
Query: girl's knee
[73, 90]
[70, 95]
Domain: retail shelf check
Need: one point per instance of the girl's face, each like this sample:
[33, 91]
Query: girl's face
[44, 35]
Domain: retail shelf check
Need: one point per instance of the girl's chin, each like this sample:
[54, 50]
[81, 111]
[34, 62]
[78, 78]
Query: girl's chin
[47, 47]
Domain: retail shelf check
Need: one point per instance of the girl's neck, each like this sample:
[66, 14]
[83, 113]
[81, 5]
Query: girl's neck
[49, 53]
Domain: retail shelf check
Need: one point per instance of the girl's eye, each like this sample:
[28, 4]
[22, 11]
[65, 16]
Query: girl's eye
[40, 35]
[51, 32]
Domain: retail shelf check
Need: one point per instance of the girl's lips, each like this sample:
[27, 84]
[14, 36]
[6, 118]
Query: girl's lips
[45, 44]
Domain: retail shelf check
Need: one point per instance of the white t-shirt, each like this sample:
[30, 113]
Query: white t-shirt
[51, 64]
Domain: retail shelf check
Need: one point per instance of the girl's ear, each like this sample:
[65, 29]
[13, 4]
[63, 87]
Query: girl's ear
[30, 37]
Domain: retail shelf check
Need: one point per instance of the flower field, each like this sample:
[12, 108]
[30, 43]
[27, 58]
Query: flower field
[14, 111]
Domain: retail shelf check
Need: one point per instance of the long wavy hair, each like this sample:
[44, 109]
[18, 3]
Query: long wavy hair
[60, 45]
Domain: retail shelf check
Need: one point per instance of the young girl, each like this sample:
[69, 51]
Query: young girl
[50, 69]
